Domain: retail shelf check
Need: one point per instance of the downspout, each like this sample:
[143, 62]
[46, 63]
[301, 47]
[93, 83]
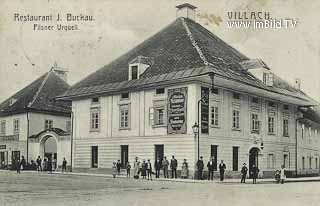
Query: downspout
[71, 156]
[28, 131]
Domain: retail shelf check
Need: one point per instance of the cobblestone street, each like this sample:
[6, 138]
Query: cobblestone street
[30, 188]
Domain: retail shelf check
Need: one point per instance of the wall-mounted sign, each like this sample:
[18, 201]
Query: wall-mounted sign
[3, 146]
[177, 110]
[205, 110]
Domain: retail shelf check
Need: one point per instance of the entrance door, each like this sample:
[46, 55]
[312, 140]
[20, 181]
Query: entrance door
[253, 159]
[159, 152]
[3, 159]
[94, 156]
[124, 155]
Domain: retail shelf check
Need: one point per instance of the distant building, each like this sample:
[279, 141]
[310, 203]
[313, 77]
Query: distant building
[145, 103]
[33, 123]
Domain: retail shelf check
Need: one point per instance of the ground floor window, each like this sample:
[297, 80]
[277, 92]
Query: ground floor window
[270, 161]
[124, 155]
[235, 158]
[158, 152]
[94, 156]
[310, 163]
[214, 154]
[303, 163]
[286, 160]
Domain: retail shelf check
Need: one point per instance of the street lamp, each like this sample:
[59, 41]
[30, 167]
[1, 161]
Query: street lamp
[195, 129]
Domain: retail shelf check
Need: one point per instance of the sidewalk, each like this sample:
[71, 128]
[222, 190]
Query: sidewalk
[226, 181]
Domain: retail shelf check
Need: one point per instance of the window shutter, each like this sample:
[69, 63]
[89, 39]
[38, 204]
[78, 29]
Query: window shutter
[151, 116]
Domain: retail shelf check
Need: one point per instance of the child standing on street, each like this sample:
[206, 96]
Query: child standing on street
[128, 170]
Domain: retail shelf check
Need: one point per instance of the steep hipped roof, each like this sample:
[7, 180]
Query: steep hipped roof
[39, 96]
[183, 49]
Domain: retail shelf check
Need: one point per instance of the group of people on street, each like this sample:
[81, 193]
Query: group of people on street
[211, 167]
[46, 165]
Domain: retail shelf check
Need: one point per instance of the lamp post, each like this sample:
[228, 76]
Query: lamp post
[195, 129]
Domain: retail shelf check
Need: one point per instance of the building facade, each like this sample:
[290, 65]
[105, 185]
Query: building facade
[145, 104]
[34, 124]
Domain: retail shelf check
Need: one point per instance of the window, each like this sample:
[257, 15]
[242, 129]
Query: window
[310, 163]
[160, 91]
[134, 72]
[215, 116]
[95, 119]
[68, 126]
[270, 163]
[214, 154]
[48, 124]
[124, 95]
[3, 127]
[271, 125]
[303, 163]
[124, 116]
[286, 160]
[16, 126]
[157, 116]
[235, 158]
[286, 107]
[255, 100]
[286, 127]
[94, 156]
[236, 96]
[271, 104]
[254, 123]
[316, 161]
[265, 78]
[95, 100]
[236, 119]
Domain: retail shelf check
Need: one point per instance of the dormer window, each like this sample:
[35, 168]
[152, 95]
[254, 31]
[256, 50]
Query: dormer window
[134, 72]
[268, 78]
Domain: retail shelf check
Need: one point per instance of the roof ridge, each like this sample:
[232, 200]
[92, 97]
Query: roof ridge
[39, 90]
[194, 43]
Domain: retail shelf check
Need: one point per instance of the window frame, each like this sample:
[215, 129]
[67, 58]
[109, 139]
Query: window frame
[16, 126]
[123, 108]
[271, 124]
[95, 111]
[285, 127]
[3, 127]
[235, 119]
[254, 119]
[215, 116]
[48, 124]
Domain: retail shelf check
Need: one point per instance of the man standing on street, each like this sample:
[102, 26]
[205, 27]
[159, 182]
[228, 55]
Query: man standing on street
[149, 170]
[200, 166]
[210, 166]
[64, 165]
[165, 165]
[222, 168]
[173, 166]
[39, 164]
[244, 171]
[118, 166]
[157, 166]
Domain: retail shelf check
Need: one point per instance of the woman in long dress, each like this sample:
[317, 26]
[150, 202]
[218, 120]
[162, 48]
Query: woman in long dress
[282, 174]
[184, 169]
[136, 168]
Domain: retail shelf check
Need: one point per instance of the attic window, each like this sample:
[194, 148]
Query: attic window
[95, 100]
[286, 107]
[267, 79]
[271, 104]
[160, 91]
[134, 72]
[255, 100]
[215, 91]
[125, 95]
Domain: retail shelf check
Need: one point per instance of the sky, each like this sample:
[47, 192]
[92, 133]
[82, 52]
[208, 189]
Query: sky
[118, 26]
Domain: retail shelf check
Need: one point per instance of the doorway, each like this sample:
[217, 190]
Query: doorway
[159, 152]
[94, 156]
[124, 156]
[253, 159]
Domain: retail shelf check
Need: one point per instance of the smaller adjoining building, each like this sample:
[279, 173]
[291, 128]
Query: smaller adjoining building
[33, 123]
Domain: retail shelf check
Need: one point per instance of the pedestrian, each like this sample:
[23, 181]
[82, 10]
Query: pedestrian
[39, 164]
[165, 166]
[114, 170]
[173, 166]
[149, 169]
[118, 166]
[157, 167]
[244, 171]
[184, 169]
[200, 167]
[54, 164]
[18, 166]
[222, 168]
[45, 164]
[254, 173]
[144, 169]
[49, 165]
[64, 165]
[210, 166]
[282, 174]
[23, 164]
[128, 169]
[136, 168]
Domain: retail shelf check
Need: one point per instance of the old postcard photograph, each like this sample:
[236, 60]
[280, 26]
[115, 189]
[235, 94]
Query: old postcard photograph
[171, 102]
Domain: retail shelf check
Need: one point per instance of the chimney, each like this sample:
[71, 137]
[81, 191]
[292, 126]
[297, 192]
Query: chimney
[297, 83]
[61, 72]
[187, 11]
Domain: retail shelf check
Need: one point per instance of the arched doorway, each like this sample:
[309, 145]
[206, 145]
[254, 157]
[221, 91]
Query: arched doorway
[253, 159]
[48, 146]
